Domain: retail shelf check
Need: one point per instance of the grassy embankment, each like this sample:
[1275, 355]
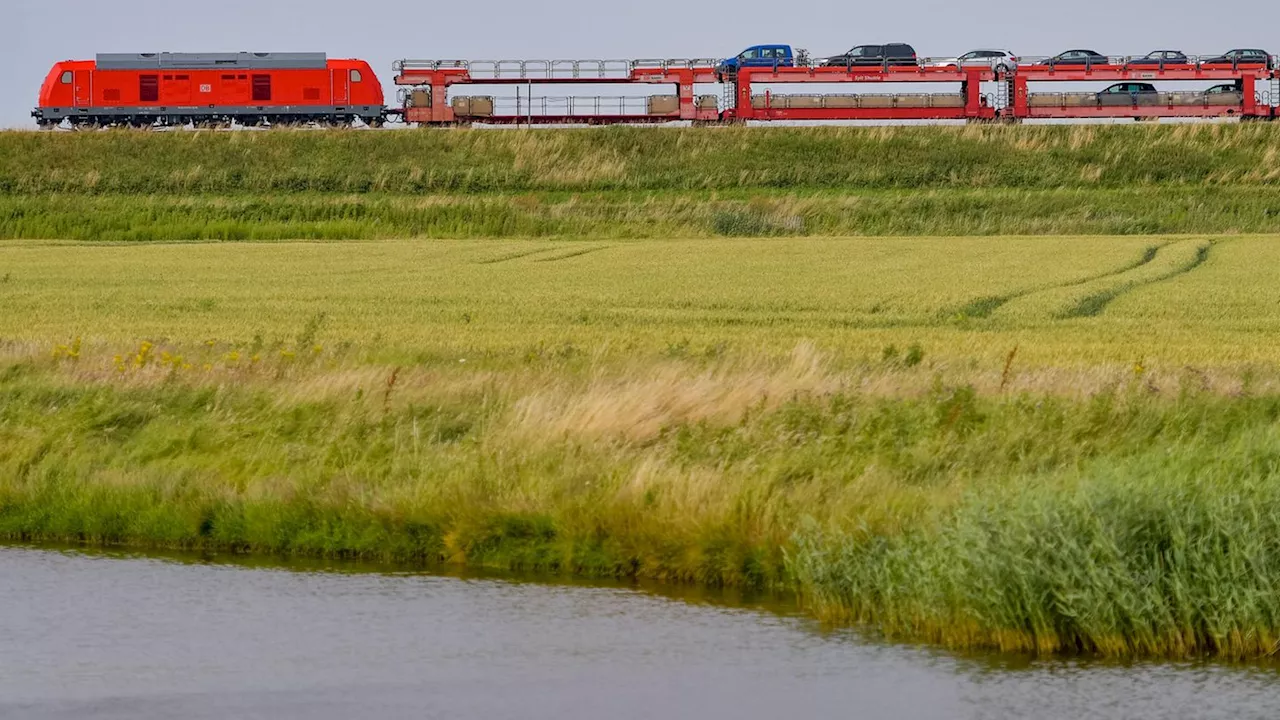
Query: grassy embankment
[1024, 443]
[641, 183]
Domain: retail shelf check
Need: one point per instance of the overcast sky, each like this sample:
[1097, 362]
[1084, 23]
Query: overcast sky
[36, 33]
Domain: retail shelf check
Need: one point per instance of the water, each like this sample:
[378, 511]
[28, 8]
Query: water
[93, 636]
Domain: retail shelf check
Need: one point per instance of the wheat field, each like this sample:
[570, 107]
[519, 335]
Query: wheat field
[1064, 302]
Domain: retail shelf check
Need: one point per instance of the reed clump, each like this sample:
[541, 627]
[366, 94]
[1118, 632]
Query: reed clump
[1167, 552]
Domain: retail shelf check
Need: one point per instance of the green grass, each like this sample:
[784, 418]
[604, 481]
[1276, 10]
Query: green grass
[642, 215]
[989, 387]
[1126, 523]
[1044, 157]
[784, 412]
[621, 183]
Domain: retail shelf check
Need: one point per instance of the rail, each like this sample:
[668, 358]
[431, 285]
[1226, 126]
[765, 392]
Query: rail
[1125, 100]
[617, 69]
[904, 65]
[553, 69]
[876, 101]
[927, 63]
[1134, 62]
[585, 106]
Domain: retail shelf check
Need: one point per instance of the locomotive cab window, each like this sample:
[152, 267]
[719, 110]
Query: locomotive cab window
[355, 76]
[262, 88]
[66, 77]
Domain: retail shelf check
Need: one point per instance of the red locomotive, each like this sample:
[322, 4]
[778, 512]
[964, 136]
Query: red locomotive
[179, 88]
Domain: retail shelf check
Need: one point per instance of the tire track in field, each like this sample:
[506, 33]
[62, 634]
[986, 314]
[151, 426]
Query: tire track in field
[1093, 305]
[514, 255]
[1090, 298]
[983, 307]
[574, 254]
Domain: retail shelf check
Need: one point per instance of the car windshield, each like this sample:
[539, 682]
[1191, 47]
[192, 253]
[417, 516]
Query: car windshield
[863, 50]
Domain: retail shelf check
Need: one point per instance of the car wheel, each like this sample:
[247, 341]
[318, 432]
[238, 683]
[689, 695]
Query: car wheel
[1002, 68]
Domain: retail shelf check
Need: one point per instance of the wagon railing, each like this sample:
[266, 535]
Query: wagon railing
[590, 69]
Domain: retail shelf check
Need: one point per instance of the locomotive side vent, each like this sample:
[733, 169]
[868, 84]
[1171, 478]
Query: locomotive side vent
[149, 88]
[262, 88]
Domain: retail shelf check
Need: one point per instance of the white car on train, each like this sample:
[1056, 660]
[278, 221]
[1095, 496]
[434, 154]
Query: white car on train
[998, 60]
